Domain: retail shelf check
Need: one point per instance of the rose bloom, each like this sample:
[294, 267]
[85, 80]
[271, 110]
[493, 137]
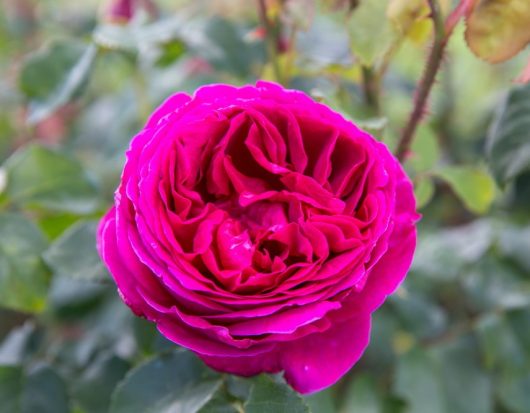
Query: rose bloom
[260, 230]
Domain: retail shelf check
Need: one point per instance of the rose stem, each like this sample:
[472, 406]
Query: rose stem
[425, 85]
[371, 89]
[270, 39]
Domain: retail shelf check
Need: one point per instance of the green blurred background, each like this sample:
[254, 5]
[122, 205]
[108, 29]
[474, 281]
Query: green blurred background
[78, 81]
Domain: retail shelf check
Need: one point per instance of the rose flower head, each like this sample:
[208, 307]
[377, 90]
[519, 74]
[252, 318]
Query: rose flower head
[260, 229]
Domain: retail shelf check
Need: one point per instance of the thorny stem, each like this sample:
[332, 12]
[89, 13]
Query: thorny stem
[425, 86]
[270, 39]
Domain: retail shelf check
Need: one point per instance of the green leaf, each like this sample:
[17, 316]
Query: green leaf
[23, 277]
[71, 299]
[74, 254]
[486, 290]
[514, 392]
[374, 126]
[419, 314]
[472, 185]
[177, 382]
[497, 30]
[325, 43]
[322, 401]
[44, 392]
[404, 14]
[218, 40]
[299, 13]
[221, 43]
[508, 143]
[519, 320]
[10, 389]
[238, 387]
[418, 382]
[442, 254]
[514, 242]
[170, 53]
[94, 388]
[54, 225]
[145, 335]
[116, 37]
[41, 177]
[51, 77]
[425, 150]
[268, 395]
[363, 396]
[148, 338]
[468, 387]
[41, 390]
[381, 352]
[138, 35]
[423, 191]
[371, 34]
[392, 404]
[44, 69]
[499, 345]
[14, 347]
[221, 402]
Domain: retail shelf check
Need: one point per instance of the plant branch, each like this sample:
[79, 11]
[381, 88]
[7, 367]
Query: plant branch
[371, 89]
[270, 39]
[424, 88]
[290, 55]
[142, 95]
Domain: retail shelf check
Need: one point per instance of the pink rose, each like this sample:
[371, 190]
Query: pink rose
[121, 11]
[260, 230]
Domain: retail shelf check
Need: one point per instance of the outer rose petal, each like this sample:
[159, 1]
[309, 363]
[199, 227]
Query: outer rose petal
[245, 365]
[109, 252]
[319, 360]
[169, 106]
[389, 272]
[311, 363]
[391, 269]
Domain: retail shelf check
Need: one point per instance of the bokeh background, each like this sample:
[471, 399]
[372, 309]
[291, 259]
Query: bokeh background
[79, 78]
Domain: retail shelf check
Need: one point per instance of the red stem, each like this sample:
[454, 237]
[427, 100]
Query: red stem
[424, 87]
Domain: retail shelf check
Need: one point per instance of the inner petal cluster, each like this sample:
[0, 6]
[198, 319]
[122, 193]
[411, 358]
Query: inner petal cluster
[259, 201]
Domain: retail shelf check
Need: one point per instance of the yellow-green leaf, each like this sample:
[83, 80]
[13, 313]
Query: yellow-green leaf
[40, 177]
[474, 186]
[404, 13]
[268, 395]
[171, 382]
[508, 143]
[370, 31]
[423, 191]
[498, 29]
[23, 277]
[412, 18]
[524, 77]
[425, 150]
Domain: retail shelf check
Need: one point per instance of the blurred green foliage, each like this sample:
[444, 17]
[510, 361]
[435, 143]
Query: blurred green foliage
[75, 87]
